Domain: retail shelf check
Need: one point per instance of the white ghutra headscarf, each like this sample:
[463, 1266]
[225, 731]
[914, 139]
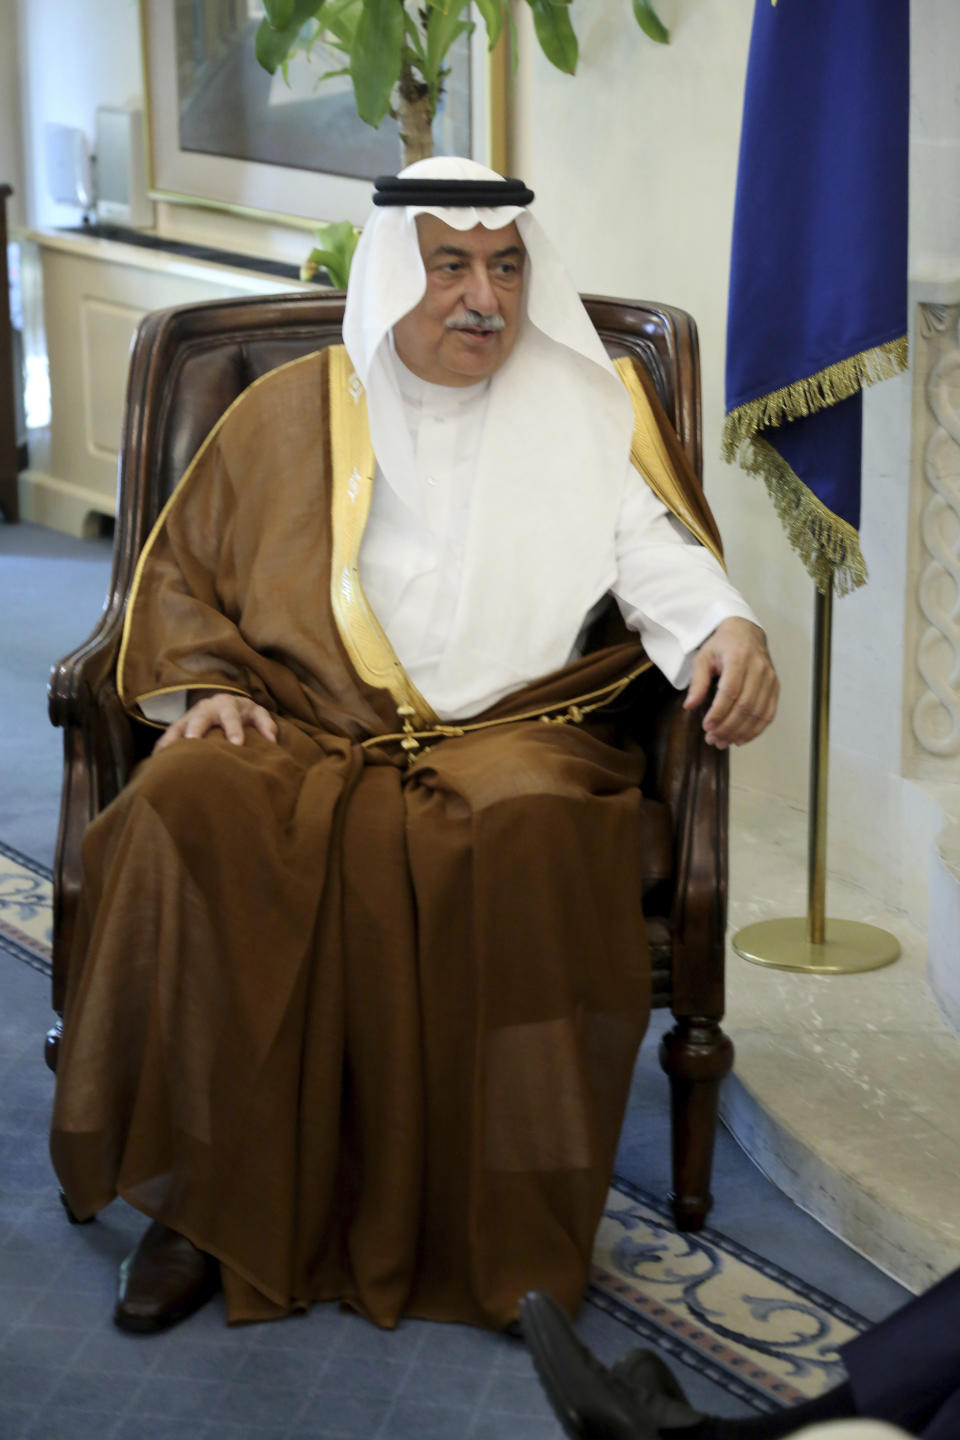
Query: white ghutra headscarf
[555, 447]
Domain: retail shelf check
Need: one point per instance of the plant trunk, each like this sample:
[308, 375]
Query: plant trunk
[413, 113]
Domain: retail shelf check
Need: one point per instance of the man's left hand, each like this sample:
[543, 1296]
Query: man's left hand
[746, 698]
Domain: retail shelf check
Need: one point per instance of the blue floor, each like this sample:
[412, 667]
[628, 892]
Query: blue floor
[52, 589]
[66, 1372]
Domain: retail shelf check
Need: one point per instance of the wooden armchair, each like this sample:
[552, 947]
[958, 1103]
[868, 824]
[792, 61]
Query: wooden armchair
[186, 367]
[9, 504]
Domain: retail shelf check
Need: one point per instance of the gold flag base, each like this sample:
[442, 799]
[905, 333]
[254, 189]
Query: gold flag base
[813, 943]
[848, 946]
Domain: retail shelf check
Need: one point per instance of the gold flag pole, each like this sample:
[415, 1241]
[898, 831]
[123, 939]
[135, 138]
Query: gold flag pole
[815, 944]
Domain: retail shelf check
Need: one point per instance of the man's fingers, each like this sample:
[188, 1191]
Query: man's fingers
[751, 713]
[746, 698]
[263, 721]
[231, 723]
[173, 732]
[229, 713]
[700, 679]
[739, 725]
[728, 694]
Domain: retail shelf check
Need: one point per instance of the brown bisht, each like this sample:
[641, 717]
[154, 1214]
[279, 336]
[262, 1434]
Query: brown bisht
[361, 1028]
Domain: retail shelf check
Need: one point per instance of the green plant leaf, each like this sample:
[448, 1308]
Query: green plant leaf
[341, 17]
[491, 12]
[376, 57]
[279, 13]
[650, 22]
[339, 235]
[338, 241]
[324, 260]
[414, 40]
[555, 33]
[272, 46]
[443, 28]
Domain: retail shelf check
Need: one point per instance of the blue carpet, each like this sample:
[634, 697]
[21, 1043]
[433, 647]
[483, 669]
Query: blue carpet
[52, 590]
[748, 1311]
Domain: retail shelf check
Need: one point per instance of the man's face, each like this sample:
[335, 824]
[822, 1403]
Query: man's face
[466, 324]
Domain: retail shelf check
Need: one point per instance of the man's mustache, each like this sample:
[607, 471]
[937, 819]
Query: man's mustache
[473, 320]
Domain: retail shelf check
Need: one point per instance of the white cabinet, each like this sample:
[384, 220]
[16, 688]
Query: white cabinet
[95, 292]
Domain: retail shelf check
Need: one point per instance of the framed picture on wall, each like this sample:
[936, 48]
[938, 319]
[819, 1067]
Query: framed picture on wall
[223, 132]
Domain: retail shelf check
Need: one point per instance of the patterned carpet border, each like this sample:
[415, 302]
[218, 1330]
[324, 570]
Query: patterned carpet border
[26, 892]
[761, 1333]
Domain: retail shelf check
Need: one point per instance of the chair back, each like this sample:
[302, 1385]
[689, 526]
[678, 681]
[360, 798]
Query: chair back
[189, 364]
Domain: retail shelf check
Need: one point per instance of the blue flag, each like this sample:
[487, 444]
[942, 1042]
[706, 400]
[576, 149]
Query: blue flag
[818, 279]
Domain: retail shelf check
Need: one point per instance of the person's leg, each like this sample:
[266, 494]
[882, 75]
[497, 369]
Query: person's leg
[525, 847]
[640, 1399]
[945, 1424]
[905, 1368]
[590, 1401]
[177, 1082]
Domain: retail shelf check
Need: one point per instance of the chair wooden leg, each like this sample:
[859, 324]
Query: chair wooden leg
[696, 1055]
[51, 1050]
[51, 1044]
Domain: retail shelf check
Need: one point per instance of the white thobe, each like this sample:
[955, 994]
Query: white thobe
[670, 589]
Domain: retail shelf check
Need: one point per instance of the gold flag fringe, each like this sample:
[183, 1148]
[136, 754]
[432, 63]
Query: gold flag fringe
[828, 546]
[814, 392]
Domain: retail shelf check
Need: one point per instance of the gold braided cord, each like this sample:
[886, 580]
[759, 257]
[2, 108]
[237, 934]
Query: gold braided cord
[828, 546]
[814, 392]
[573, 712]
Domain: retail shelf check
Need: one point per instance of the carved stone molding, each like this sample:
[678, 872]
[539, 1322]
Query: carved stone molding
[936, 713]
[932, 319]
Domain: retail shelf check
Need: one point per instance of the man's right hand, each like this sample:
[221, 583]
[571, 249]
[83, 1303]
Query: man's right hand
[220, 711]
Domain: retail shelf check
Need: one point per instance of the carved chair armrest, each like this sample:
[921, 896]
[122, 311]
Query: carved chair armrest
[693, 778]
[80, 674]
[98, 756]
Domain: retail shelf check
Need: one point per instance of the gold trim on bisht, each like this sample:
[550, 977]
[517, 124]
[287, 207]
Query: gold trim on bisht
[650, 456]
[353, 464]
[179, 490]
[564, 712]
[828, 545]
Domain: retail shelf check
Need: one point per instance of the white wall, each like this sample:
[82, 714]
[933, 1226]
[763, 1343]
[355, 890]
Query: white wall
[76, 55]
[73, 57]
[935, 140]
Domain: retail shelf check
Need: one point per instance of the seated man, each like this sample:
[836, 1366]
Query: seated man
[361, 969]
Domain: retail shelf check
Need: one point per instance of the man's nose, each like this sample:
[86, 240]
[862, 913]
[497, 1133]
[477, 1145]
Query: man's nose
[479, 293]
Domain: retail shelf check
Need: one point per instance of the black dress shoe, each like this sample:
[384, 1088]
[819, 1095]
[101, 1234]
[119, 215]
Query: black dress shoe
[162, 1281]
[590, 1401]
